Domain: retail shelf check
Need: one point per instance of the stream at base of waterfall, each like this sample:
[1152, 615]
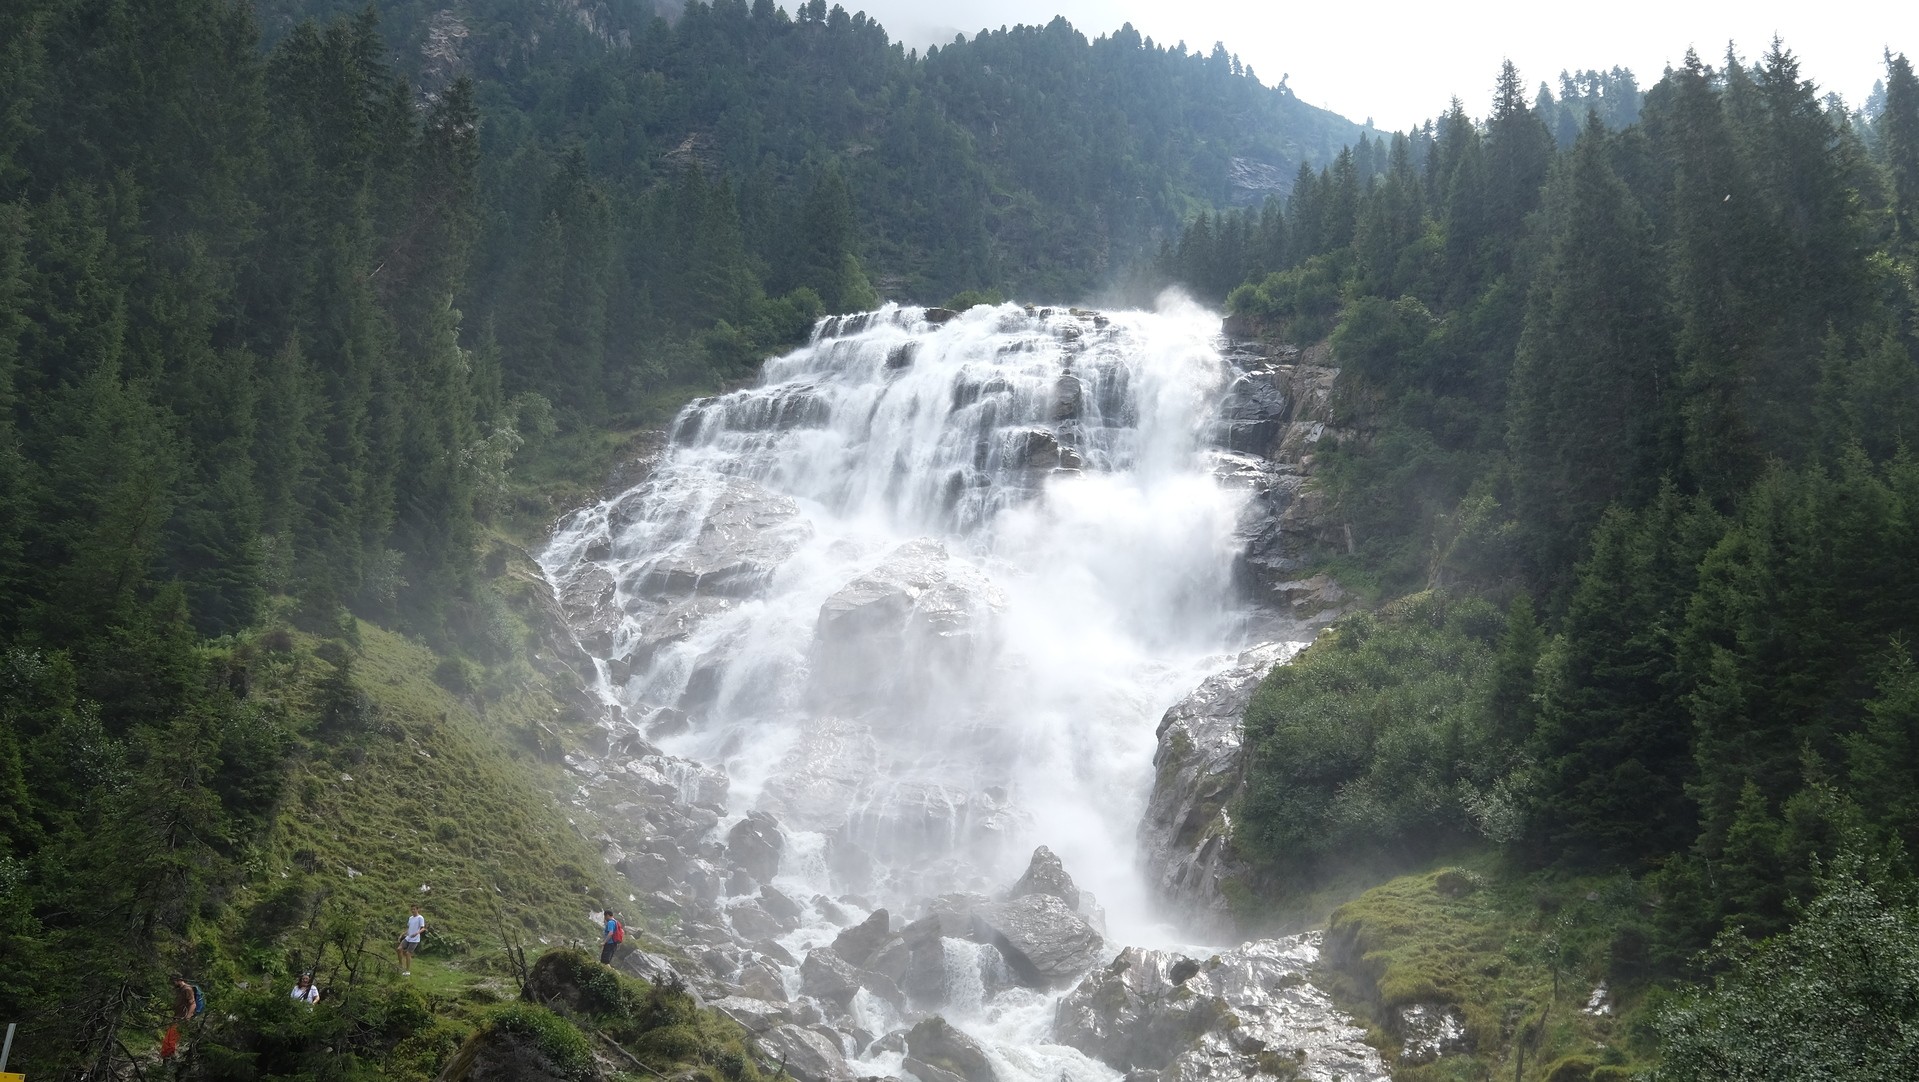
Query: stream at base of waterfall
[923, 661]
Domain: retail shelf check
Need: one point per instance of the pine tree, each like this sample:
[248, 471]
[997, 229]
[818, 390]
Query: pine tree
[1717, 252]
[1614, 744]
[1592, 379]
[1899, 142]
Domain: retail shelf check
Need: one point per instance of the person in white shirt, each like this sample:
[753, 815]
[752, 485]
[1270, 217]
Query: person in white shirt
[410, 942]
[304, 991]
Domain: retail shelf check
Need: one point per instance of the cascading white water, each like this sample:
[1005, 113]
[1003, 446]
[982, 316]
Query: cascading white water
[927, 589]
[923, 594]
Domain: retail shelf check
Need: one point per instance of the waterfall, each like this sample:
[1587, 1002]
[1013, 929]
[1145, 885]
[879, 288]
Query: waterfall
[927, 588]
[923, 595]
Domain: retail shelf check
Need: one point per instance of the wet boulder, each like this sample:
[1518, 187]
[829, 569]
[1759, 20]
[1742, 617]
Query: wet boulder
[1185, 835]
[1254, 414]
[805, 1054]
[781, 908]
[1032, 448]
[1069, 396]
[918, 590]
[1131, 1015]
[936, 1043]
[1046, 875]
[762, 980]
[751, 922]
[827, 976]
[1222, 1018]
[754, 845]
[861, 942]
[745, 533]
[1044, 943]
[897, 627]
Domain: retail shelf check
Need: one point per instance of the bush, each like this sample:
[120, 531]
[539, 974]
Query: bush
[1369, 742]
[563, 1045]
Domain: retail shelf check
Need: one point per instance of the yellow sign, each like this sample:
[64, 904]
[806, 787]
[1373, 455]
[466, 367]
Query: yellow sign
[7, 1076]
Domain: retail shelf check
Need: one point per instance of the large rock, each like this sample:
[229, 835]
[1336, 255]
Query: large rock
[495, 1054]
[1044, 943]
[1223, 1018]
[806, 1055]
[1254, 413]
[754, 845]
[918, 592]
[933, 1041]
[1046, 875]
[1198, 770]
[677, 779]
[827, 976]
[902, 630]
[1277, 414]
[861, 942]
[1138, 1012]
[744, 534]
[653, 626]
[824, 774]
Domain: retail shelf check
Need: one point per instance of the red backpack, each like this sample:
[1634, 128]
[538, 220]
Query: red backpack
[619, 931]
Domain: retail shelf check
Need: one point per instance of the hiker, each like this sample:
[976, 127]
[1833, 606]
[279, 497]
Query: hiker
[410, 942]
[189, 1002]
[304, 991]
[615, 935]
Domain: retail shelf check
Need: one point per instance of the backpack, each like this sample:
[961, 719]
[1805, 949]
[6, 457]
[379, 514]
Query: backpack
[619, 931]
[199, 1001]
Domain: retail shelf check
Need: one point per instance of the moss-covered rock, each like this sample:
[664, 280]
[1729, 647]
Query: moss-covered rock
[524, 1043]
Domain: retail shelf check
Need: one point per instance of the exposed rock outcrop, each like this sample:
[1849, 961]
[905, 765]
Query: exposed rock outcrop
[934, 1042]
[1045, 943]
[1186, 834]
[754, 845]
[1234, 1015]
[1046, 875]
[806, 1055]
[1276, 416]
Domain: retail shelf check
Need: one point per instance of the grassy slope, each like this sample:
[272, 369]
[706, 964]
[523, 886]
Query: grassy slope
[1518, 955]
[427, 792]
[446, 777]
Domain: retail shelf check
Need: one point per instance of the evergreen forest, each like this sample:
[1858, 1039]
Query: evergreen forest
[1633, 402]
[313, 315]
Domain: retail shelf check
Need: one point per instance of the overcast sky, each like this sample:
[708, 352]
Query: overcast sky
[1400, 62]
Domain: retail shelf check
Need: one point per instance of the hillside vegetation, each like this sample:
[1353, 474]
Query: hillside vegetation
[1636, 416]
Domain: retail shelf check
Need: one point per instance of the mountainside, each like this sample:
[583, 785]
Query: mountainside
[1628, 453]
[1026, 159]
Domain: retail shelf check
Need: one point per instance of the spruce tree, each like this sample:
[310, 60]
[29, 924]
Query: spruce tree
[1592, 379]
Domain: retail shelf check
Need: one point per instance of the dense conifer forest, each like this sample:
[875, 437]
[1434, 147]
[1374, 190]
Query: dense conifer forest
[1635, 404]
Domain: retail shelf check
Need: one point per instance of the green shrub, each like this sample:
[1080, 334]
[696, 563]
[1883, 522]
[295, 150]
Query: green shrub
[1369, 742]
[558, 1040]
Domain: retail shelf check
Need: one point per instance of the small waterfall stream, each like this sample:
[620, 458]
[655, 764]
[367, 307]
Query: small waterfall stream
[922, 596]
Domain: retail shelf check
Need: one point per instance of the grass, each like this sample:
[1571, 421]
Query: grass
[419, 789]
[1517, 955]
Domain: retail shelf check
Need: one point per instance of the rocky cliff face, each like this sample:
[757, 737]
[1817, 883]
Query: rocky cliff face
[1186, 836]
[1277, 414]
